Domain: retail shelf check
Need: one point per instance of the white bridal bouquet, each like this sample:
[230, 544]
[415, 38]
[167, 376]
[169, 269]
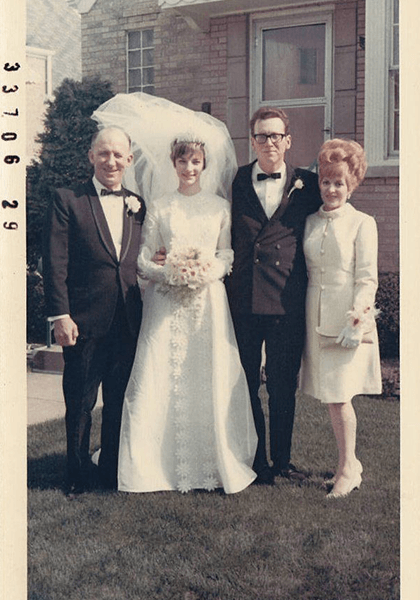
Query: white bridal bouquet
[187, 270]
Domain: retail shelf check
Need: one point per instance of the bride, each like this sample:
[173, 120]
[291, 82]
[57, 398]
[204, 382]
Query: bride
[187, 421]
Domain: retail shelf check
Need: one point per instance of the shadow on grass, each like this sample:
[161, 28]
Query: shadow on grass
[47, 452]
[47, 472]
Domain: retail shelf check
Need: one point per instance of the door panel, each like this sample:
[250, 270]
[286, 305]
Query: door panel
[306, 127]
[292, 69]
[293, 62]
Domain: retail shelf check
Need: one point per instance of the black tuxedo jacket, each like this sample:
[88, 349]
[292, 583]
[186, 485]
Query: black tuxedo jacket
[269, 271]
[83, 276]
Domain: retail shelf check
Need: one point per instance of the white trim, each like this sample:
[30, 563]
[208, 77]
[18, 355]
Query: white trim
[197, 13]
[219, 8]
[377, 85]
[48, 55]
[84, 6]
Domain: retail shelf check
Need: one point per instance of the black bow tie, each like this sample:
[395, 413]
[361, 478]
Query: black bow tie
[106, 192]
[262, 176]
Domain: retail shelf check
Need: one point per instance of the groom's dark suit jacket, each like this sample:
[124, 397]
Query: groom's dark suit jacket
[82, 273]
[269, 271]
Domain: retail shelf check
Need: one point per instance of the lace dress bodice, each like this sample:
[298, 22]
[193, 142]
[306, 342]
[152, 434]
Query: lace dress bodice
[176, 221]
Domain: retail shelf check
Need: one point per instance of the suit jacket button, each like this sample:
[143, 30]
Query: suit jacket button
[256, 261]
[278, 246]
[257, 245]
[277, 263]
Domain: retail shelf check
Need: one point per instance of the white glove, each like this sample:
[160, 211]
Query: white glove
[350, 337]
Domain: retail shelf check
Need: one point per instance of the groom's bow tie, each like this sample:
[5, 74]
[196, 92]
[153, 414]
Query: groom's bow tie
[262, 176]
[105, 192]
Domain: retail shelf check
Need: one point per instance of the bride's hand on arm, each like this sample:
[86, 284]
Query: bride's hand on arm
[224, 252]
[150, 262]
[159, 257]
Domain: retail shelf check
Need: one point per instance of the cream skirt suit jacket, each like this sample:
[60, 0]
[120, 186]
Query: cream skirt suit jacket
[341, 248]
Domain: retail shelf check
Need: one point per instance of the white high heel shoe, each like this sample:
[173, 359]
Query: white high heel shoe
[353, 485]
[334, 478]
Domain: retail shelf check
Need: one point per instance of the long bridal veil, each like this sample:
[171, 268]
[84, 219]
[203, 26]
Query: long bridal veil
[153, 123]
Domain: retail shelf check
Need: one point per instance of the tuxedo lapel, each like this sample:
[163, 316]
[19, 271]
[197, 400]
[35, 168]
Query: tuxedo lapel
[285, 201]
[101, 222]
[127, 234]
[250, 195]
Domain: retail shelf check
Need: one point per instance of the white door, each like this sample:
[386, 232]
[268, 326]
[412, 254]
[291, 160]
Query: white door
[292, 66]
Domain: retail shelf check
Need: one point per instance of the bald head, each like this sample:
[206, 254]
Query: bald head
[110, 154]
[98, 134]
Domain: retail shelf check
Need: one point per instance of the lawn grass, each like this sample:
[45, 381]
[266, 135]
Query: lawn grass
[265, 543]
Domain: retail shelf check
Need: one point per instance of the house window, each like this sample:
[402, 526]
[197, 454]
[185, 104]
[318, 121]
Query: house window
[140, 61]
[394, 82]
[39, 62]
[382, 83]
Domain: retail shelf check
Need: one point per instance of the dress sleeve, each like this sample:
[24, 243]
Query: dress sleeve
[151, 242]
[224, 252]
[366, 267]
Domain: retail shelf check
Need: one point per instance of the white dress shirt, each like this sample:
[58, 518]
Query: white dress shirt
[113, 207]
[269, 191]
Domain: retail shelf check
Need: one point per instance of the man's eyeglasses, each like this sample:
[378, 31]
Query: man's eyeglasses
[261, 138]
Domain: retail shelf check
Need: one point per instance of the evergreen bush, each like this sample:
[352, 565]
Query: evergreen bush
[35, 306]
[63, 162]
[388, 322]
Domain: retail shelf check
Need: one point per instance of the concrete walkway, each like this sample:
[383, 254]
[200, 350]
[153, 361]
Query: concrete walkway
[45, 400]
[45, 397]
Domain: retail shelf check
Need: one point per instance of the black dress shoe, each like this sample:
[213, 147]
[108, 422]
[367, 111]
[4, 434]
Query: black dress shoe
[265, 476]
[74, 491]
[105, 482]
[290, 472]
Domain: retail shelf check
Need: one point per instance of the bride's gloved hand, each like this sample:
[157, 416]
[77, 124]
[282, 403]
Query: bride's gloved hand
[350, 337]
[222, 263]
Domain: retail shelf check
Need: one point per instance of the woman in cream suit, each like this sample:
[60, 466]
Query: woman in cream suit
[341, 356]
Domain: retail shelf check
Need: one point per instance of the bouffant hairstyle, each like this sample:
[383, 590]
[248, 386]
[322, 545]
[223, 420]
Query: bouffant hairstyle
[269, 112]
[186, 148]
[334, 154]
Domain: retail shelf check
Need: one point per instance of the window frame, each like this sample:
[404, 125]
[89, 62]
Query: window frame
[379, 30]
[141, 67]
[47, 55]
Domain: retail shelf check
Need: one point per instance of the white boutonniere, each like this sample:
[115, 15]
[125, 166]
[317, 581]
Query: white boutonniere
[133, 205]
[298, 185]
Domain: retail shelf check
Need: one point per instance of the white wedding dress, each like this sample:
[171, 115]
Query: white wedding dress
[187, 421]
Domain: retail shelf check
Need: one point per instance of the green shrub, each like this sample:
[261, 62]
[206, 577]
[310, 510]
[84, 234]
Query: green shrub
[388, 322]
[35, 306]
[63, 162]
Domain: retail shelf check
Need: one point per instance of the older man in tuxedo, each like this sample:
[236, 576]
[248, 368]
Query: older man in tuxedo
[267, 286]
[92, 238]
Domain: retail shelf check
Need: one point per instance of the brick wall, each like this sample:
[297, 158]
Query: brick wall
[195, 67]
[190, 66]
[104, 37]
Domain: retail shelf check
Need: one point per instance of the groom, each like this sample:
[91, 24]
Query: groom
[266, 289]
[92, 238]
